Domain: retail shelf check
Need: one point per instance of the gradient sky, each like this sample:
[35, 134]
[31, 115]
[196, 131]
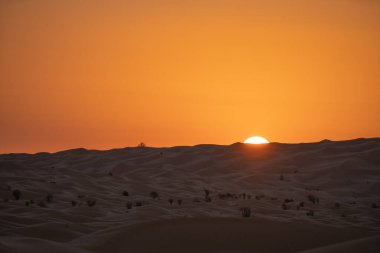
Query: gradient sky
[104, 74]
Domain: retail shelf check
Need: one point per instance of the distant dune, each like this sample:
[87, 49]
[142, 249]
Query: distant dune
[308, 197]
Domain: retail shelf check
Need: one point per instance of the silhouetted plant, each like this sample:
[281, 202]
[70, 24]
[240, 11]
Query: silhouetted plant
[141, 145]
[125, 193]
[41, 204]
[310, 213]
[49, 198]
[179, 201]
[246, 211]
[171, 201]
[16, 194]
[288, 200]
[154, 195]
[284, 206]
[91, 203]
[312, 198]
[129, 205]
[73, 203]
[208, 199]
[207, 192]
[302, 204]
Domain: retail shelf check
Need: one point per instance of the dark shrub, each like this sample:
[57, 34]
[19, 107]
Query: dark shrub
[125, 193]
[179, 201]
[282, 177]
[312, 198]
[154, 195]
[141, 145]
[27, 203]
[49, 198]
[41, 204]
[302, 204]
[310, 213]
[284, 206]
[129, 205]
[138, 203]
[374, 205]
[16, 194]
[337, 205]
[73, 203]
[208, 199]
[288, 200]
[246, 212]
[91, 203]
[171, 201]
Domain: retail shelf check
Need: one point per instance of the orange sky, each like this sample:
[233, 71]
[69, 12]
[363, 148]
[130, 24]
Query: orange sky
[104, 74]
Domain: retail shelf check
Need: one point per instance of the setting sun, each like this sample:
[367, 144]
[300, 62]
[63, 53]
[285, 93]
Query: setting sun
[256, 140]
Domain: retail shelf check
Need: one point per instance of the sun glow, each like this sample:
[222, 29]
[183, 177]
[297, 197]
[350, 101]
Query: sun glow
[256, 140]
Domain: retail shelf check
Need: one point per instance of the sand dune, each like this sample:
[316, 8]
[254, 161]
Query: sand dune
[321, 196]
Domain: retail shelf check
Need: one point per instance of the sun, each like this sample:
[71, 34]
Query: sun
[256, 140]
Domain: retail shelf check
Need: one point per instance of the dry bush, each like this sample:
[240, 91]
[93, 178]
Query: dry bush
[16, 194]
[154, 195]
[246, 212]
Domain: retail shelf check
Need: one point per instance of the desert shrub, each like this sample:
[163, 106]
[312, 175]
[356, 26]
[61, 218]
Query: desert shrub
[128, 205]
[170, 201]
[41, 204]
[125, 193]
[91, 203]
[16, 194]
[312, 198]
[73, 203]
[288, 200]
[141, 145]
[284, 206]
[208, 199]
[179, 201]
[246, 211]
[49, 198]
[207, 192]
[302, 204]
[154, 195]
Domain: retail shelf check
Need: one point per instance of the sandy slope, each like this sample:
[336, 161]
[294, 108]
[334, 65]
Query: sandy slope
[343, 176]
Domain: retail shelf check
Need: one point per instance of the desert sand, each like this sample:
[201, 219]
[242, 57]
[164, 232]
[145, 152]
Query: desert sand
[309, 197]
